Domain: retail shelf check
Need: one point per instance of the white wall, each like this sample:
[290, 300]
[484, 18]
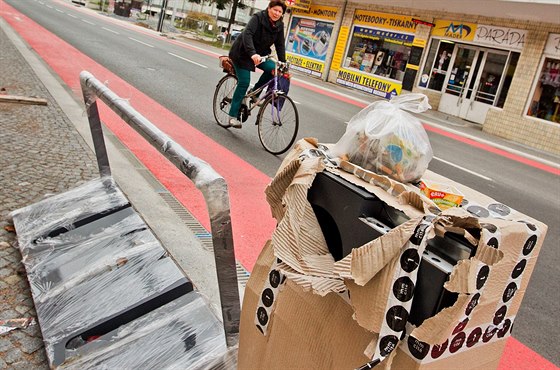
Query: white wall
[261, 4]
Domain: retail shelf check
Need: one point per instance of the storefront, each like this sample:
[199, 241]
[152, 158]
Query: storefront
[309, 37]
[545, 101]
[375, 57]
[472, 66]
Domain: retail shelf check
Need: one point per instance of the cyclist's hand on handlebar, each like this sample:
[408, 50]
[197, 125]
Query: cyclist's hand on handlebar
[257, 59]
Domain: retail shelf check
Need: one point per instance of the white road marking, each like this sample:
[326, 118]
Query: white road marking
[58, 10]
[71, 15]
[48, 6]
[187, 60]
[88, 22]
[107, 29]
[141, 42]
[463, 169]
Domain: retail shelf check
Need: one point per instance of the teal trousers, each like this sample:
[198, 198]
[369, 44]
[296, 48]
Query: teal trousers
[243, 81]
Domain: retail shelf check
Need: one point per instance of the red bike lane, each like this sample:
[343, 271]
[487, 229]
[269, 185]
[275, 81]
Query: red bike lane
[251, 218]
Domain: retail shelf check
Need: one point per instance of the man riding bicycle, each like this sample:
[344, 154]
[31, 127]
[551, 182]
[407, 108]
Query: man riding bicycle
[263, 30]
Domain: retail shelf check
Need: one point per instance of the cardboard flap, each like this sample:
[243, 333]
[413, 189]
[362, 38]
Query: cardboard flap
[365, 262]
[298, 240]
[434, 330]
[464, 277]
[404, 194]
[318, 284]
[277, 188]
[489, 255]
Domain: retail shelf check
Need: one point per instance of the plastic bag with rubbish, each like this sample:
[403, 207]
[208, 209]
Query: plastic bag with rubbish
[385, 139]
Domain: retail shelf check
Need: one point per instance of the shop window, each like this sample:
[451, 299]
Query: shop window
[437, 64]
[546, 98]
[379, 52]
[514, 58]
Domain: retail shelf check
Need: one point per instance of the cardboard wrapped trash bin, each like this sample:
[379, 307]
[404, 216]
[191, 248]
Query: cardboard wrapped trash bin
[304, 310]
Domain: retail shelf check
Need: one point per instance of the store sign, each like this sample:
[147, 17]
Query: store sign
[300, 4]
[319, 12]
[387, 36]
[385, 20]
[454, 30]
[481, 34]
[552, 47]
[305, 65]
[368, 83]
[510, 38]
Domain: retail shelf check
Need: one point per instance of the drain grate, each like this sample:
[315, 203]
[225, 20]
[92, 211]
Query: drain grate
[200, 232]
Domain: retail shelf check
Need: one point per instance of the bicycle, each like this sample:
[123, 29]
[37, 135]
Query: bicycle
[277, 118]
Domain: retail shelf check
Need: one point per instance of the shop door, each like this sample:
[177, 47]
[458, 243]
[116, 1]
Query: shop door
[473, 83]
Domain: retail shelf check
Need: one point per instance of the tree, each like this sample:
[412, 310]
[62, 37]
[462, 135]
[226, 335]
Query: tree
[221, 5]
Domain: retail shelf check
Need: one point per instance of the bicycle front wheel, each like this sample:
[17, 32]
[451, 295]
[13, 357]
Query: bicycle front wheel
[278, 123]
[222, 99]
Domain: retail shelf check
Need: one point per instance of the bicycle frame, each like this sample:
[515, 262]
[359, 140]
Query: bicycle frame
[275, 135]
[272, 91]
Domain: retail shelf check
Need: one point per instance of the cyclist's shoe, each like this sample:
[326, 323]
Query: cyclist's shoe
[234, 122]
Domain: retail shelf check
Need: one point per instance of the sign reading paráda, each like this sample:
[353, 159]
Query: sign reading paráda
[481, 34]
[368, 83]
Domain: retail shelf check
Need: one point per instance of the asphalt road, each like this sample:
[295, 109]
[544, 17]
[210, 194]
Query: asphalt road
[182, 79]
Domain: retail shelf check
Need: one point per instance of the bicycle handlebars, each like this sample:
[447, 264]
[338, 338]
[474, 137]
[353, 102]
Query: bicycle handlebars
[282, 66]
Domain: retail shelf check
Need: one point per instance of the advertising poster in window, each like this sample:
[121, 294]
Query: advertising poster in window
[309, 39]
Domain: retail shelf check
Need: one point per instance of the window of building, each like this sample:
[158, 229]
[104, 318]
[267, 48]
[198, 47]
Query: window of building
[437, 64]
[379, 52]
[510, 70]
[545, 103]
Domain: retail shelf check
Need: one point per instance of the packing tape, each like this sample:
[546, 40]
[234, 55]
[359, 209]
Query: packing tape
[501, 326]
[515, 278]
[458, 343]
[400, 298]
[268, 299]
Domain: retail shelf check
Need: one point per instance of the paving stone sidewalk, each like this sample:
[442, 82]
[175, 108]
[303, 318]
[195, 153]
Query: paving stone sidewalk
[41, 153]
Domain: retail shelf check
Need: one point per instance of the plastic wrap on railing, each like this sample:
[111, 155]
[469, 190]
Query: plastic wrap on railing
[64, 261]
[63, 210]
[130, 277]
[184, 334]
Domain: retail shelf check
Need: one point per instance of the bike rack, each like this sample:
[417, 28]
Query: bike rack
[206, 179]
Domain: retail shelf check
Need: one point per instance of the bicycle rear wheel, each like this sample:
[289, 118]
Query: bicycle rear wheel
[278, 123]
[222, 99]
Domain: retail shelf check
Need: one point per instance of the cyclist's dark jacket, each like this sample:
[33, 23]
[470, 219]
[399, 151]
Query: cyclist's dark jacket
[257, 38]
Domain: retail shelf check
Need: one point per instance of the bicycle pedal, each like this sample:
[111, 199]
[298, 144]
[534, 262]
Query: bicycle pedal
[243, 113]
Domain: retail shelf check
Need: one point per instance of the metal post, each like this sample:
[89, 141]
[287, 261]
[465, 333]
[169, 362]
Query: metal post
[96, 133]
[162, 15]
[207, 180]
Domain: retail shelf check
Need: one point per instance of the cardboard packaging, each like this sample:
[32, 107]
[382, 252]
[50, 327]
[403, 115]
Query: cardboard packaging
[303, 310]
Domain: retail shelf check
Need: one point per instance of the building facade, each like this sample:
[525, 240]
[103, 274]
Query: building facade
[493, 62]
